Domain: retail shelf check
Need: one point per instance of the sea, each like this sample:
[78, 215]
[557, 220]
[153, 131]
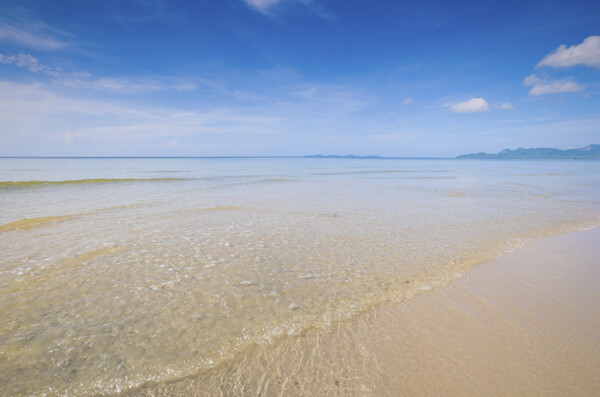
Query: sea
[117, 272]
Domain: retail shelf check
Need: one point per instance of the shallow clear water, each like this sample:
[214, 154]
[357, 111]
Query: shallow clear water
[141, 270]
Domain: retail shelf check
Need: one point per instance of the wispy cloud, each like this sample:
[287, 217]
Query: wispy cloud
[504, 106]
[331, 99]
[586, 53]
[28, 62]
[262, 5]
[247, 96]
[53, 119]
[126, 85]
[473, 105]
[145, 11]
[36, 113]
[408, 101]
[32, 35]
[84, 80]
[543, 87]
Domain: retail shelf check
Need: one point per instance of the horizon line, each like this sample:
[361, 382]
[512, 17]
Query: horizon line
[341, 157]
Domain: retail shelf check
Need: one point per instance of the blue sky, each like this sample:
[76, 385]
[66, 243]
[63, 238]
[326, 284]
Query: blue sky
[295, 77]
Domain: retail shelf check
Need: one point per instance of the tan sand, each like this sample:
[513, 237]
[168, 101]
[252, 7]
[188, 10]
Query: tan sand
[525, 324]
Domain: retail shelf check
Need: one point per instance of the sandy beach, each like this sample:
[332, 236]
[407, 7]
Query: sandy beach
[525, 324]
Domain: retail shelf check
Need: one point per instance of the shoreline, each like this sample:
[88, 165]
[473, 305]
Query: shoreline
[527, 323]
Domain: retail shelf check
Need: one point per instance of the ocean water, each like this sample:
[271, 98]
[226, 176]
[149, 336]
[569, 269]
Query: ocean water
[119, 272]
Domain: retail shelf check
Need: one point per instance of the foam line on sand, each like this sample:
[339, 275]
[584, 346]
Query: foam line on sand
[527, 324]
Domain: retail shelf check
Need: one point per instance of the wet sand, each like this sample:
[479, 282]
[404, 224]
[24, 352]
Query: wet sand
[527, 324]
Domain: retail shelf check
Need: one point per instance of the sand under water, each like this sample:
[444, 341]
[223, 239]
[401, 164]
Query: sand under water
[117, 274]
[527, 324]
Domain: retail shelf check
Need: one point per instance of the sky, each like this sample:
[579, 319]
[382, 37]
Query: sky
[296, 77]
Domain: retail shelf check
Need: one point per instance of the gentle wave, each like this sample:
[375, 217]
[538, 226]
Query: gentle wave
[362, 172]
[458, 194]
[300, 318]
[231, 177]
[220, 208]
[21, 184]
[544, 174]
[270, 180]
[264, 181]
[432, 177]
[165, 171]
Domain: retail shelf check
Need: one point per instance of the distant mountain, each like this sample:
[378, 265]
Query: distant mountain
[337, 156]
[588, 152]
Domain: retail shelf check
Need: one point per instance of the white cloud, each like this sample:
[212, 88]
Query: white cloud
[505, 106]
[186, 86]
[261, 5]
[121, 85]
[85, 80]
[473, 105]
[35, 35]
[544, 87]
[33, 113]
[50, 118]
[247, 96]
[264, 6]
[556, 87]
[325, 99]
[28, 62]
[172, 144]
[532, 80]
[586, 53]
[408, 101]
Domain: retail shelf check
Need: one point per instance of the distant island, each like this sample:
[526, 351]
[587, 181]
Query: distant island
[588, 152]
[337, 156]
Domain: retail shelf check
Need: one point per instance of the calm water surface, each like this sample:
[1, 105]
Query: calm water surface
[116, 272]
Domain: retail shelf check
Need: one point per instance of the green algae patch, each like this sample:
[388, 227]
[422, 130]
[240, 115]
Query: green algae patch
[32, 223]
[22, 184]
